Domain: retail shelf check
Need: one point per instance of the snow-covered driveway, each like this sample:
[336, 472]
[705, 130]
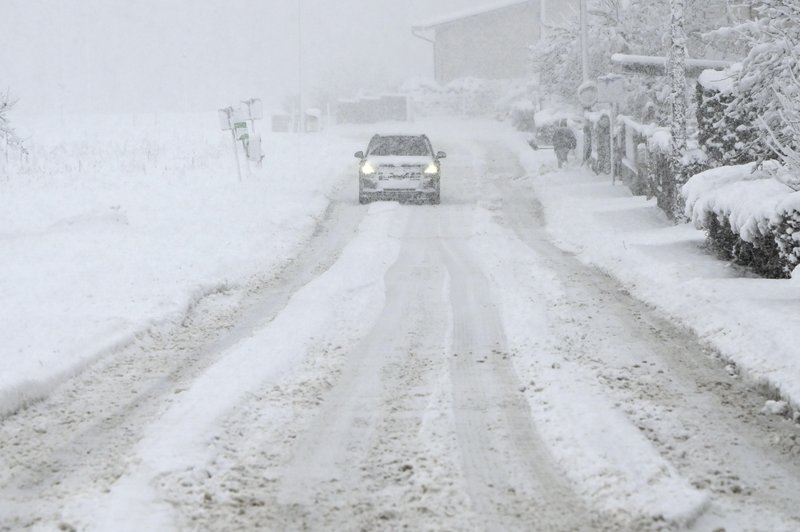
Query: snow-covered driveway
[418, 367]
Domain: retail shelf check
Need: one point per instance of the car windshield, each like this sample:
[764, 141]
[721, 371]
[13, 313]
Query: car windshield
[399, 145]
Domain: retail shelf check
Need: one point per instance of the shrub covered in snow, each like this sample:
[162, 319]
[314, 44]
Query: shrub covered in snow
[751, 113]
[726, 133]
[749, 216]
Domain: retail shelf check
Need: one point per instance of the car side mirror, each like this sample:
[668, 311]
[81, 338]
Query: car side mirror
[441, 155]
[359, 154]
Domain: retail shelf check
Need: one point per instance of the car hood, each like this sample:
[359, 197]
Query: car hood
[401, 160]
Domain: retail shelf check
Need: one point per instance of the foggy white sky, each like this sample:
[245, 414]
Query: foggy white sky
[158, 55]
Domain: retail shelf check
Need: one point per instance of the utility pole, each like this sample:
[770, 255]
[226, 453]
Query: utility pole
[300, 104]
[584, 41]
[676, 67]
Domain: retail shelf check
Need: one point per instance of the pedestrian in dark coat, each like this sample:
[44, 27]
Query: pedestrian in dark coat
[563, 141]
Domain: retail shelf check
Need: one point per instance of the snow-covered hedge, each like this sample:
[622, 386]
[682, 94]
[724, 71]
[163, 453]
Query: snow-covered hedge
[726, 133]
[750, 216]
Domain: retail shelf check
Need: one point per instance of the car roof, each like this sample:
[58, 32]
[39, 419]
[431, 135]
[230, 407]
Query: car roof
[400, 135]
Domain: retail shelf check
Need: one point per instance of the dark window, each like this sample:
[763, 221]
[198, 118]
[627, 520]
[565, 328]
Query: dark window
[399, 145]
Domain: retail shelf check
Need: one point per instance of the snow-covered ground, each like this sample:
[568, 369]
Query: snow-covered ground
[286, 358]
[122, 223]
[754, 323]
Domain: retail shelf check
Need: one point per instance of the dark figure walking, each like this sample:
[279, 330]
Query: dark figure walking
[563, 141]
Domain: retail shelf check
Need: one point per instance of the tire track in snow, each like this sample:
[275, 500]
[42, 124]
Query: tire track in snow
[362, 464]
[512, 478]
[357, 438]
[702, 420]
[77, 440]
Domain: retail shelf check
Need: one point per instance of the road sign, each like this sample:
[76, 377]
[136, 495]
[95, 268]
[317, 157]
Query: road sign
[254, 109]
[611, 88]
[225, 118]
[240, 129]
[587, 93]
[254, 148]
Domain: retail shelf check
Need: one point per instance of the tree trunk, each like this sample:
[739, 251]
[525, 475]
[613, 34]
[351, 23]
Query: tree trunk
[677, 104]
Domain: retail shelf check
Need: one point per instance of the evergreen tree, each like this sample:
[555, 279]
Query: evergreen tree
[769, 84]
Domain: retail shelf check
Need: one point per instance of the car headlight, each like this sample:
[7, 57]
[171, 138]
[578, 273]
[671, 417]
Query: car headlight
[367, 168]
[432, 169]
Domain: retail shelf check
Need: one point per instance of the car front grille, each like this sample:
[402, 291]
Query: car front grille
[394, 172]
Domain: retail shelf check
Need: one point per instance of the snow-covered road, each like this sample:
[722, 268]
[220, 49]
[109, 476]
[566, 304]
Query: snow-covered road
[420, 367]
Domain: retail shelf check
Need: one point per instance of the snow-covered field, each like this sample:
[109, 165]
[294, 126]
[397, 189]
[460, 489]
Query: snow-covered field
[536, 352]
[123, 223]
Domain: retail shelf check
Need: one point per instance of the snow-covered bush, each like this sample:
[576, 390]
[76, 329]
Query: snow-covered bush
[787, 234]
[752, 113]
[749, 216]
[726, 133]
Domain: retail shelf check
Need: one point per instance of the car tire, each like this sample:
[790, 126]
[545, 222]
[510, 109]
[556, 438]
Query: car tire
[436, 197]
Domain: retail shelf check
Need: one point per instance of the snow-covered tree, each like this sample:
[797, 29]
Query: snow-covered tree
[769, 84]
[8, 136]
[676, 72]
[557, 59]
[639, 27]
[676, 67]
[766, 106]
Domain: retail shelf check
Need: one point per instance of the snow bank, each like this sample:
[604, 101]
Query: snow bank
[752, 322]
[629, 481]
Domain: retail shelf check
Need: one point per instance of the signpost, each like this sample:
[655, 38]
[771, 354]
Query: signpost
[226, 123]
[235, 121]
[255, 111]
[587, 94]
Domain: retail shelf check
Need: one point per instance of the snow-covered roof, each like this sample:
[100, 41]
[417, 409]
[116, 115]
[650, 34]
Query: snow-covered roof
[466, 13]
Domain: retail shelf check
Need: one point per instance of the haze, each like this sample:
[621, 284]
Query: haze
[183, 55]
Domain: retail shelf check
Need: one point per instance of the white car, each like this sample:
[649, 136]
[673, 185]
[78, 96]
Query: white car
[401, 168]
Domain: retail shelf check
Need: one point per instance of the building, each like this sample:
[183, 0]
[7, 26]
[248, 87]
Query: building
[492, 41]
